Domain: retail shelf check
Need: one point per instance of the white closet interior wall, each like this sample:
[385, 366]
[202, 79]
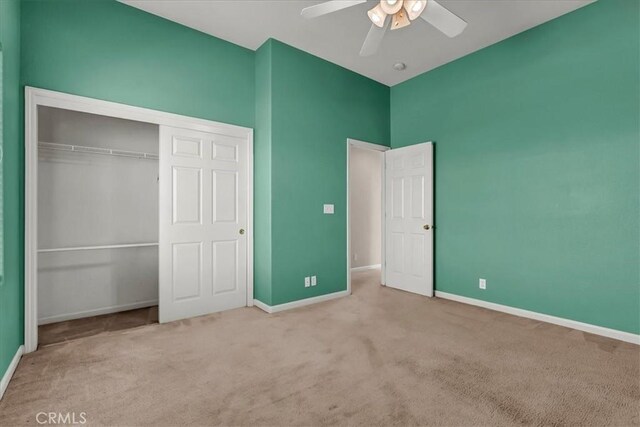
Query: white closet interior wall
[88, 199]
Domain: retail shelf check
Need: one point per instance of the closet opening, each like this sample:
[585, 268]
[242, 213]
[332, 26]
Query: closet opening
[132, 216]
[97, 207]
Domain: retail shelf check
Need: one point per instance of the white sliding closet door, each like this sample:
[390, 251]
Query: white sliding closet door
[409, 218]
[203, 217]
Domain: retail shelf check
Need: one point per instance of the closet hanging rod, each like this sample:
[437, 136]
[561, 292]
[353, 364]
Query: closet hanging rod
[93, 248]
[96, 150]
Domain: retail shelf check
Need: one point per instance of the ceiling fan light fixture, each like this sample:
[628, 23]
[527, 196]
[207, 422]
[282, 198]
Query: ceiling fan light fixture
[414, 8]
[391, 7]
[400, 20]
[377, 16]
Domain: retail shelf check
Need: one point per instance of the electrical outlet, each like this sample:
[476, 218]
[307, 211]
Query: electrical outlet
[483, 284]
[355, 257]
[314, 281]
[307, 282]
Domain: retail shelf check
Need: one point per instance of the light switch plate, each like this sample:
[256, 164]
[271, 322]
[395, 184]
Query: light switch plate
[328, 209]
[307, 282]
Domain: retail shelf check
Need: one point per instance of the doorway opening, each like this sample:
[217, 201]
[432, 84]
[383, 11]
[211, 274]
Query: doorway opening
[365, 195]
[403, 180]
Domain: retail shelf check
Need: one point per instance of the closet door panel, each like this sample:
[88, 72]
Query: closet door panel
[187, 270]
[225, 196]
[203, 192]
[187, 195]
[187, 147]
[225, 266]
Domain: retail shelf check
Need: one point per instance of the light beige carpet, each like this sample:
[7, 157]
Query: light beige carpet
[378, 357]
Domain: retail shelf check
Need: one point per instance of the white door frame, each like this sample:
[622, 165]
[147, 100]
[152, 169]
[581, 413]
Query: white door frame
[34, 98]
[382, 149]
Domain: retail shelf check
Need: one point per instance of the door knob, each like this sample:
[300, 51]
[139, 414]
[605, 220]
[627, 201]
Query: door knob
[426, 226]
[242, 231]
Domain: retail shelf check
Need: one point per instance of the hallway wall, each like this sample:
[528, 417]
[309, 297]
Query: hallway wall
[365, 206]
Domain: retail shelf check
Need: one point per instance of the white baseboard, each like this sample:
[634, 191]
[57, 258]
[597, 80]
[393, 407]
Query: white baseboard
[96, 312]
[366, 267]
[262, 306]
[573, 324]
[299, 303]
[10, 370]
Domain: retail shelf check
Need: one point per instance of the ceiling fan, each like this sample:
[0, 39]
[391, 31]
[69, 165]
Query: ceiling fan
[402, 12]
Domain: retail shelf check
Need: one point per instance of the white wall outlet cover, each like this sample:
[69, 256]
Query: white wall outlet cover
[328, 209]
[307, 282]
[314, 281]
[483, 284]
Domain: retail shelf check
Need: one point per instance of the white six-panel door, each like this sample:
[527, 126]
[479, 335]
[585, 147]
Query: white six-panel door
[409, 218]
[203, 218]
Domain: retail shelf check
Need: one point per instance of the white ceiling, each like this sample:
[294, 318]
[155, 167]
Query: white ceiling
[337, 37]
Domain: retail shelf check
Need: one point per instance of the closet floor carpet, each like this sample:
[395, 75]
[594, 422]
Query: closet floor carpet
[55, 333]
[378, 357]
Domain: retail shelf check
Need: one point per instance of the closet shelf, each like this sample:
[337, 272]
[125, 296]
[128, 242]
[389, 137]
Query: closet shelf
[96, 150]
[93, 248]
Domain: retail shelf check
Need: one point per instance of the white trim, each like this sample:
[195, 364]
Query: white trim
[366, 267]
[40, 97]
[299, 303]
[31, 221]
[573, 324]
[49, 98]
[367, 145]
[11, 369]
[262, 306]
[376, 147]
[96, 312]
[250, 219]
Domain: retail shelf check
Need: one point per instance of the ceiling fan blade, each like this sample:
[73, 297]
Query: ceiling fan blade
[374, 38]
[328, 7]
[443, 19]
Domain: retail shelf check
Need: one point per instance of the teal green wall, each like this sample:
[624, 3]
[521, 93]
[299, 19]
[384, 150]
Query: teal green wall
[315, 107]
[11, 295]
[107, 50]
[537, 166]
